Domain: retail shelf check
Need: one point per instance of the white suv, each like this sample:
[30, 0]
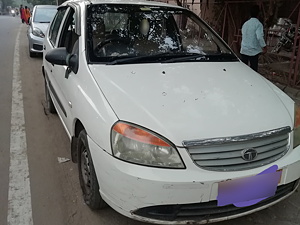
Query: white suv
[166, 124]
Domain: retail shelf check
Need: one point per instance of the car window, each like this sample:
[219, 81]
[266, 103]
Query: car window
[44, 15]
[68, 34]
[120, 31]
[55, 25]
[195, 37]
[115, 21]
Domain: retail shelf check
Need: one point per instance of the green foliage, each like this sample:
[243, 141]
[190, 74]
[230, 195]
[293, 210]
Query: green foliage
[6, 3]
[42, 2]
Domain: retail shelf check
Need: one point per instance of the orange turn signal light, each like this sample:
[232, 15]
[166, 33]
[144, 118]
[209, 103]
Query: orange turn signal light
[138, 134]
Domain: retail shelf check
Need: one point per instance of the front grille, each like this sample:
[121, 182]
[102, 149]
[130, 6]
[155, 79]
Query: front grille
[208, 210]
[37, 47]
[225, 154]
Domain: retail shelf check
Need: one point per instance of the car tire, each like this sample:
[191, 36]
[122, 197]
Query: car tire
[49, 103]
[87, 175]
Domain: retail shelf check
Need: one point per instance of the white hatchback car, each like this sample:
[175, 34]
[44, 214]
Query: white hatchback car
[165, 122]
[38, 24]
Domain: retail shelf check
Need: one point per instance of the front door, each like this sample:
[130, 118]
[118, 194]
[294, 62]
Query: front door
[62, 33]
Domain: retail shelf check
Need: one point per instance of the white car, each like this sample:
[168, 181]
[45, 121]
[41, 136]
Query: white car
[38, 24]
[166, 124]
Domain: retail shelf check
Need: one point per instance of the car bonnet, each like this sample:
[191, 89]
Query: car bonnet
[42, 26]
[186, 101]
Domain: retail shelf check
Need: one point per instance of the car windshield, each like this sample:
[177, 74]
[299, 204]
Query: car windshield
[44, 15]
[119, 34]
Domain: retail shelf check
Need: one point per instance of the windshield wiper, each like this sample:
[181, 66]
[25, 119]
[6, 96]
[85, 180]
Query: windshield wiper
[187, 57]
[222, 57]
[139, 58]
[175, 57]
[44, 21]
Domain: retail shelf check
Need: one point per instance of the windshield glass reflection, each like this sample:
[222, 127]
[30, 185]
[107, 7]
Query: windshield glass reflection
[150, 33]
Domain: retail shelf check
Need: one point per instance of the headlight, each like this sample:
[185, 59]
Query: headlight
[138, 145]
[37, 32]
[297, 126]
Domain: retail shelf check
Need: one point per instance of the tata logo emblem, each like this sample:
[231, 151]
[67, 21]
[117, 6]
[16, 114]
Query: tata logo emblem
[249, 154]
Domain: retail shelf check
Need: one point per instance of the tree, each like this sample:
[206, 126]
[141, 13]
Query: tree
[61, 1]
[42, 2]
[6, 3]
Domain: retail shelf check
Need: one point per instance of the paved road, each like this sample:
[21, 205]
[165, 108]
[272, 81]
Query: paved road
[55, 195]
[6, 65]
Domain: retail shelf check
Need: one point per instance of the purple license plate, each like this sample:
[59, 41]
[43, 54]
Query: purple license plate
[250, 190]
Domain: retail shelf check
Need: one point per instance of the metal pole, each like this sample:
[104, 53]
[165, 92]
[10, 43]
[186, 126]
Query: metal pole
[294, 10]
[294, 66]
[298, 58]
[224, 21]
[235, 30]
[220, 13]
[297, 38]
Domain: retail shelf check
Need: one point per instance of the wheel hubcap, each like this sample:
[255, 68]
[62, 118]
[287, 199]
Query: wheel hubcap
[85, 170]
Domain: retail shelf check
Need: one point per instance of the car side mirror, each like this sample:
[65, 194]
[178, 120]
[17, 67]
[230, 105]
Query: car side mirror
[60, 56]
[72, 62]
[57, 56]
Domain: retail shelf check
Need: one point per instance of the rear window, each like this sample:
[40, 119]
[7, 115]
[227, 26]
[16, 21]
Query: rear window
[44, 15]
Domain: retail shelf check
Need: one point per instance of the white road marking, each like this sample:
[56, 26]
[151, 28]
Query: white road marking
[19, 196]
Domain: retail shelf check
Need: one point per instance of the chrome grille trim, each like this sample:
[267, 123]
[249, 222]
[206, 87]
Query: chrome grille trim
[225, 154]
[224, 140]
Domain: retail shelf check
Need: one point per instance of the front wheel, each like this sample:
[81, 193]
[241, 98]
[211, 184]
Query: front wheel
[87, 175]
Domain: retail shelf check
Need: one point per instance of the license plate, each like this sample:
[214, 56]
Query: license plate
[250, 190]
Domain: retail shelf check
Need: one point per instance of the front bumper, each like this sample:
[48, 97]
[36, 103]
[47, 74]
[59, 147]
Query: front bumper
[209, 211]
[181, 196]
[35, 43]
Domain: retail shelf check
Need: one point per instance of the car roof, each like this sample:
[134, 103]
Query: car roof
[135, 2]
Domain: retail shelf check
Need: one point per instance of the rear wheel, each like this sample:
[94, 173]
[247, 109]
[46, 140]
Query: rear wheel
[87, 175]
[49, 103]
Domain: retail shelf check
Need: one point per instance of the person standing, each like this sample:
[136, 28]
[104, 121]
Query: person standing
[22, 13]
[27, 15]
[253, 43]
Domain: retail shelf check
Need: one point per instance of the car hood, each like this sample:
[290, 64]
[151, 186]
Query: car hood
[42, 26]
[188, 101]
